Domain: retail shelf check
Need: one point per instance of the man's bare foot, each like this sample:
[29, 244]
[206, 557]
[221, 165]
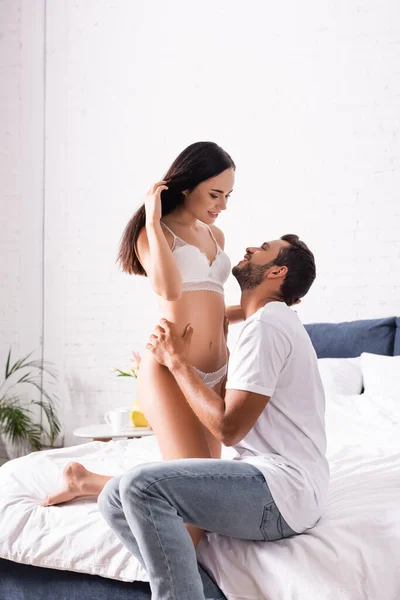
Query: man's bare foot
[73, 480]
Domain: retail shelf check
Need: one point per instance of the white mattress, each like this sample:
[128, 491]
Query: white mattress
[352, 554]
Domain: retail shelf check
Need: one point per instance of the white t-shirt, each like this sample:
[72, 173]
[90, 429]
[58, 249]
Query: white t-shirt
[274, 357]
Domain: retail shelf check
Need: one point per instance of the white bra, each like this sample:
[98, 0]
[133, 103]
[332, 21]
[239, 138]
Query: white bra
[195, 268]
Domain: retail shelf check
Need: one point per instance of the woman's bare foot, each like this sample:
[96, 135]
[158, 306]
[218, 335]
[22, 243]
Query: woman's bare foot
[76, 481]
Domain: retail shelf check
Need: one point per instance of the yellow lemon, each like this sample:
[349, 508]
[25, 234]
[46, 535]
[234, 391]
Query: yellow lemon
[137, 417]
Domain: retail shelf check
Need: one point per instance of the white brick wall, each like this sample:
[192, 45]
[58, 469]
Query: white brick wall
[21, 163]
[305, 96]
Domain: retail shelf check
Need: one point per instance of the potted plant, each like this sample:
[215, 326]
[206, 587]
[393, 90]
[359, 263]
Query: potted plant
[18, 423]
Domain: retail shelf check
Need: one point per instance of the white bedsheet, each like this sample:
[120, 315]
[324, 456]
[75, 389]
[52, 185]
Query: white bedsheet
[352, 554]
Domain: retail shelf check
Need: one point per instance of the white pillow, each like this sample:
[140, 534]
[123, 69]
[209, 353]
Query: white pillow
[381, 374]
[341, 375]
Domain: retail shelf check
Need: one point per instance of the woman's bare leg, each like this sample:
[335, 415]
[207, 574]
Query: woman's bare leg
[178, 430]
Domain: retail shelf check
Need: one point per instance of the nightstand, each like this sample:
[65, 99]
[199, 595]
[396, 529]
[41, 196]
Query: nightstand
[104, 432]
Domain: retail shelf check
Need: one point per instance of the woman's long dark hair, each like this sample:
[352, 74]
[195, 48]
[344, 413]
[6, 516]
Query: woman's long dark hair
[198, 162]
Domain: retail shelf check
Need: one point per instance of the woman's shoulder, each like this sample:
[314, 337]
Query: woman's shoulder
[219, 236]
[143, 242]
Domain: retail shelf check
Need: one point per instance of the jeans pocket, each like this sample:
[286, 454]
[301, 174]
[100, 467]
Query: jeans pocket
[266, 521]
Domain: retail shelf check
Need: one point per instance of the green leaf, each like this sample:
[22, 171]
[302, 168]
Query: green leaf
[42, 366]
[123, 373]
[15, 421]
[52, 419]
[24, 363]
[51, 398]
[19, 364]
[8, 362]
[35, 437]
[23, 379]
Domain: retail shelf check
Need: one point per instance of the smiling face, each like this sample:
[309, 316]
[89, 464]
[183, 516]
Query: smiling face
[259, 261]
[210, 197]
[260, 255]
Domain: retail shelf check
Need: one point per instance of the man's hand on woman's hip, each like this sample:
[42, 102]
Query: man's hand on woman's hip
[167, 346]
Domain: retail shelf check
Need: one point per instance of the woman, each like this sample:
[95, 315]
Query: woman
[172, 239]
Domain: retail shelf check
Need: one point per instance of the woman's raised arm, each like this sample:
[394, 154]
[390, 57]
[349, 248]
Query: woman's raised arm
[154, 252]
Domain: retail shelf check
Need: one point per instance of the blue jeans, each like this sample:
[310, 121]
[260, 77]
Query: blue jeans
[148, 507]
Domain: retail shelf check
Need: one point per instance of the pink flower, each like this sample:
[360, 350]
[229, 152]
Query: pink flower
[135, 362]
[137, 357]
[132, 370]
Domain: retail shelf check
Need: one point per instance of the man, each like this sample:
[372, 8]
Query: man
[272, 414]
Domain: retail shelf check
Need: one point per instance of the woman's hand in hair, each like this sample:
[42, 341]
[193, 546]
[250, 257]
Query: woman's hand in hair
[152, 202]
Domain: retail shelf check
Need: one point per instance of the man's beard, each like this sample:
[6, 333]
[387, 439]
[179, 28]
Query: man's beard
[250, 276]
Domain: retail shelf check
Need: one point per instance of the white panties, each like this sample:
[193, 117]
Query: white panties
[211, 379]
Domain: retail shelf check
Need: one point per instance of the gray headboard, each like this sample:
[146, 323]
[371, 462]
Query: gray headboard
[351, 338]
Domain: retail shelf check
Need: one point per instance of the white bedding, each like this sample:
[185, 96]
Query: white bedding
[352, 554]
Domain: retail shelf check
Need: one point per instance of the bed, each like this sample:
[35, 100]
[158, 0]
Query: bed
[68, 552]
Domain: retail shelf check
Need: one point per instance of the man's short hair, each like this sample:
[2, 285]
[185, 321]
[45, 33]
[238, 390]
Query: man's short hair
[300, 262]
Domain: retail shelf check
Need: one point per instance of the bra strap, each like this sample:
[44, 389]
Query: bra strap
[166, 226]
[213, 236]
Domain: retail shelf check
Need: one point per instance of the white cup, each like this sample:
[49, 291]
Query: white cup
[119, 419]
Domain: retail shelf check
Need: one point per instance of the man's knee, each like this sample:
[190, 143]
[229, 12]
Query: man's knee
[109, 496]
[137, 480]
